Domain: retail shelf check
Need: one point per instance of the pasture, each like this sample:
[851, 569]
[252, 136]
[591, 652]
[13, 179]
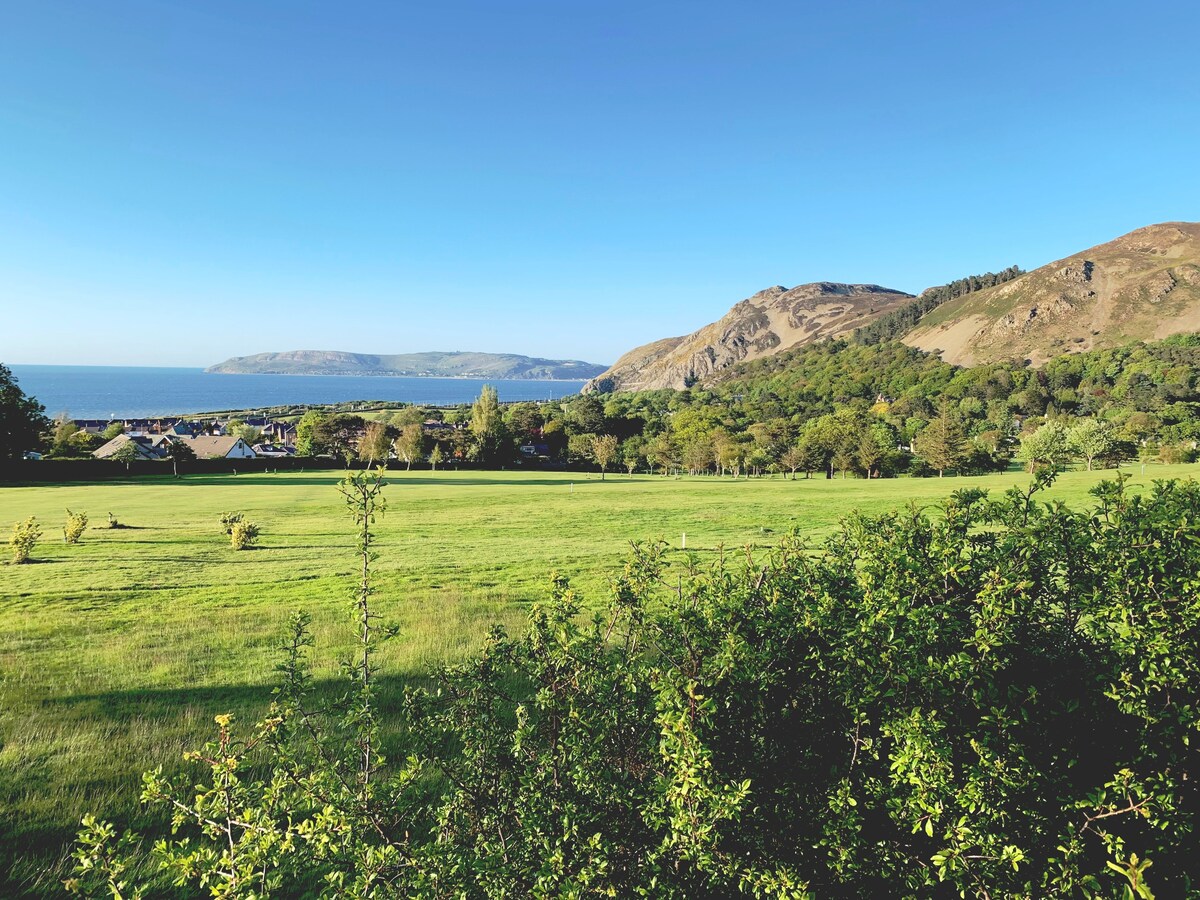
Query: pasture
[116, 653]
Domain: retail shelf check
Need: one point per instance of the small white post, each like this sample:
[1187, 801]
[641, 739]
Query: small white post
[683, 541]
[572, 490]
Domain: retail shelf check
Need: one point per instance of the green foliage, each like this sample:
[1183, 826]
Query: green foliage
[25, 537]
[243, 534]
[995, 700]
[76, 524]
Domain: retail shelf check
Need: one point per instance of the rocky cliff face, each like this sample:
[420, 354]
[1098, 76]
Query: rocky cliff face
[1144, 285]
[773, 320]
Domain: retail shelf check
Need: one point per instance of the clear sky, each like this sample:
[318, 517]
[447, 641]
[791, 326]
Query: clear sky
[185, 181]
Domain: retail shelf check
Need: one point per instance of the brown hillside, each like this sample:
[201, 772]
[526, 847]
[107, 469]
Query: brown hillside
[771, 321]
[1142, 286]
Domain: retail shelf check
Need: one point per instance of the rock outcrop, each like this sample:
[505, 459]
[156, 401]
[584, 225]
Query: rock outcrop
[771, 321]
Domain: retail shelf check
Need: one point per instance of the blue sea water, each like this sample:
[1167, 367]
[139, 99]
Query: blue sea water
[102, 392]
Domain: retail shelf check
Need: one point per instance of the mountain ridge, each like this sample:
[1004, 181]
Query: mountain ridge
[1143, 285]
[774, 319]
[431, 364]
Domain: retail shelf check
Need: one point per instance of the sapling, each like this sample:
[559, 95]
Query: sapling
[243, 534]
[77, 523]
[25, 536]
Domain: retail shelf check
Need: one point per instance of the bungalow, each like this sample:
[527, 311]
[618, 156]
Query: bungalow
[219, 447]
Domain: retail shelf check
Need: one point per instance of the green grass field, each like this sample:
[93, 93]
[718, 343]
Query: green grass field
[116, 653]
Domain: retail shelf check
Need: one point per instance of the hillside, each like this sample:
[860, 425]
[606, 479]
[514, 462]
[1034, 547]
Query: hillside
[1144, 285]
[773, 320]
[432, 364]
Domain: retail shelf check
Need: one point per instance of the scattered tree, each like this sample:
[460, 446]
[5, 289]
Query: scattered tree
[941, 443]
[25, 537]
[1092, 439]
[410, 444]
[374, 445]
[76, 524]
[604, 451]
[243, 534]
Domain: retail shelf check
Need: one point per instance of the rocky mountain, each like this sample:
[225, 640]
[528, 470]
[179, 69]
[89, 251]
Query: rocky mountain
[773, 320]
[1142, 286]
[432, 364]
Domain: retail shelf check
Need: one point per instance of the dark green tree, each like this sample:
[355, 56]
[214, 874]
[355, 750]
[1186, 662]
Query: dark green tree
[22, 419]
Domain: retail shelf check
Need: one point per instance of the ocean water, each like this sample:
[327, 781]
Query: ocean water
[102, 392]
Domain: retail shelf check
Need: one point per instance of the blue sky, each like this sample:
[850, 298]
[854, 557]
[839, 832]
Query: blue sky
[183, 182]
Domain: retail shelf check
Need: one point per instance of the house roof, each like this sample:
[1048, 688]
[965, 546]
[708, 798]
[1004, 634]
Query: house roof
[147, 448]
[208, 445]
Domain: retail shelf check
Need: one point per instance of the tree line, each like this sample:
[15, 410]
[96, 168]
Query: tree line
[837, 407]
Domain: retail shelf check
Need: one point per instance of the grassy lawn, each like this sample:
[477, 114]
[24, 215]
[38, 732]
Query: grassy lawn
[116, 653]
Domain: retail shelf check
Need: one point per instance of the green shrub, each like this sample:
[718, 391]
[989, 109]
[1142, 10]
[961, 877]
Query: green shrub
[243, 534]
[77, 523]
[24, 538]
[229, 519]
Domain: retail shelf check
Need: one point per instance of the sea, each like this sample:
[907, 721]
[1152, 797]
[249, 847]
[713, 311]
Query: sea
[122, 392]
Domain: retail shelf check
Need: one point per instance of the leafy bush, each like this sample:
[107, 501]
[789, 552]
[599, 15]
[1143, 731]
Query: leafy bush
[25, 536]
[998, 700]
[243, 534]
[77, 523]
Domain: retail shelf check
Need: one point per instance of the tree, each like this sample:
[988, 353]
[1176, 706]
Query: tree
[435, 456]
[662, 452]
[374, 444]
[339, 434]
[410, 444]
[604, 451]
[941, 443]
[489, 437]
[126, 454]
[64, 430]
[113, 429]
[1048, 445]
[869, 451]
[308, 434]
[792, 459]
[251, 434]
[1092, 439]
[698, 454]
[178, 452]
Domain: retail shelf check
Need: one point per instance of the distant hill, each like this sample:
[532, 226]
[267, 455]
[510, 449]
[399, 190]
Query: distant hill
[773, 320]
[432, 364]
[1140, 287]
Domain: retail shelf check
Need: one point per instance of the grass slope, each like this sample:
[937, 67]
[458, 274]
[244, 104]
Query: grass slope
[116, 653]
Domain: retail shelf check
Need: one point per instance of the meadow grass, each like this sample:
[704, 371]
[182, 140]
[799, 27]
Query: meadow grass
[116, 653]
